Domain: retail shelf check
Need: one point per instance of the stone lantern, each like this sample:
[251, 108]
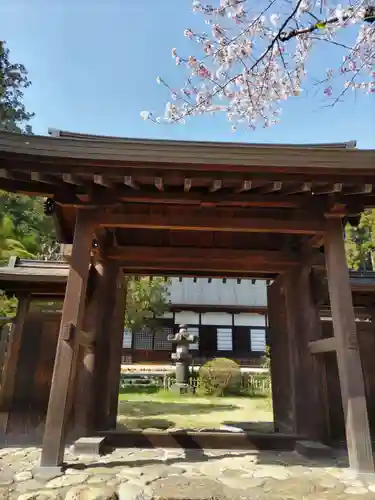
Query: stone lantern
[182, 356]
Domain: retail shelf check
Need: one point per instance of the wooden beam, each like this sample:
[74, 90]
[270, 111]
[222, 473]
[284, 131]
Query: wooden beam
[128, 181]
[348, 355]
[72, 179]
[328, 189]
[244, 224]
[246, 186]
[305, 187]
[201, 268]
[5, 174]
[102, 181]
[359, 189]
[196, 198]
[180, 254]
[200, 261]
[315, 241]
[271, 188]
[216, 185]
[191, 271]
[187, 185]
[29, 188]
[71, 322]
[44, 178]
[322, 345]
[159, 183]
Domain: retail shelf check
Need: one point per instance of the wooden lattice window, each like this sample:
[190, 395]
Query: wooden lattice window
[258, 340]
[194, 331]
[143, 340]
[127, 338]
[224, 339]
[161, 342]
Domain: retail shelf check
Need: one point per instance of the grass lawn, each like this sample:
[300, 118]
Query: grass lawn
[163, 410]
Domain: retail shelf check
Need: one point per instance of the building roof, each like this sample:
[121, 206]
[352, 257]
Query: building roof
[37, 277]
[178, 208]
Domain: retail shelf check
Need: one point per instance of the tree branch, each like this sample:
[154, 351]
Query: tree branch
[259, 60]
[369, 16]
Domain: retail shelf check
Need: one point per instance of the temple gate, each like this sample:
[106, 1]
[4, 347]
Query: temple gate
[197, 209]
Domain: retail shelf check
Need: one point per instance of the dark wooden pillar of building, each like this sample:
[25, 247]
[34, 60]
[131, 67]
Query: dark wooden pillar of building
[71, 324]
[105, 314]
[348, 354]
[299, 398]
[116, 337]
[85, 386]
[11, 361]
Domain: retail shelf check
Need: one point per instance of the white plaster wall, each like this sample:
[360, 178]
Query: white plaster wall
[217, 293]
[249, 319]
[216, 318]
[186, 318]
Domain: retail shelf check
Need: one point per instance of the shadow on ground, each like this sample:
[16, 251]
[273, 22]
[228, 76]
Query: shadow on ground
[144, 423]
[197, 456]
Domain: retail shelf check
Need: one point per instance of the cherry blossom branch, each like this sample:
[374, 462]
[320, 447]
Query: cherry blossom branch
[257, 62]
[368, 16]
[248, 68]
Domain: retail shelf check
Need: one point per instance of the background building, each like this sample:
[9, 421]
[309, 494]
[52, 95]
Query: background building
[228, 316]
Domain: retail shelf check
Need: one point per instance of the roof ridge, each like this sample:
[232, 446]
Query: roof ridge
[65, 134]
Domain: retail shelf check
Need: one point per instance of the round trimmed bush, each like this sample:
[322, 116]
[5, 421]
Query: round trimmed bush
[219, 377]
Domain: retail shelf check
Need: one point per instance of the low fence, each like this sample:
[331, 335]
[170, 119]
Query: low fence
[251, 384]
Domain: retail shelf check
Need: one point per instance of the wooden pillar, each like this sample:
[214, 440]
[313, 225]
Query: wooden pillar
[84, 394]
[348, 356]
[280, 373]
[308, 390]
[116, 338]
[71, 323]
[11, 361]
[110, 272]
[299, 399]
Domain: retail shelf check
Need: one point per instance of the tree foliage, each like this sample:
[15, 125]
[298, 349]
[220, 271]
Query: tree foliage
[13, 81]
[360, 243]
[146, 298]
[8, 306]
[256, 55]
[24, 229]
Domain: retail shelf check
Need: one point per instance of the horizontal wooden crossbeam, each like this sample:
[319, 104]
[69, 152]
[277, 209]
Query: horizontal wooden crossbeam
[197, 223]
[180, 254]
[322, 345]
[202, 268]
[210, 261]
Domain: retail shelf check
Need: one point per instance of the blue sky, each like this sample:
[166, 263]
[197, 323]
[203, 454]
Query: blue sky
[94, 63]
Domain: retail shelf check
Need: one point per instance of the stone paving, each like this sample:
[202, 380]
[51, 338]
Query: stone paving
[136, 474]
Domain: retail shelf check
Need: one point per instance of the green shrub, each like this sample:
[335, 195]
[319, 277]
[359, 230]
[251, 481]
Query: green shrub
[219, 377]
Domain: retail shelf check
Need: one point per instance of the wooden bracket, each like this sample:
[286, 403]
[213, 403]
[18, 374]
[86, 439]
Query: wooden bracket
[86, 339]
[322, 345]
[68, 332]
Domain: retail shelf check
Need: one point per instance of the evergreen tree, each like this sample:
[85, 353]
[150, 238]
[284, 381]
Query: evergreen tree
[13, 81]
[360, 242]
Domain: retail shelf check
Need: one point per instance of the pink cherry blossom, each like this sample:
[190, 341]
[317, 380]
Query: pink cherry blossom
[256, 55]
